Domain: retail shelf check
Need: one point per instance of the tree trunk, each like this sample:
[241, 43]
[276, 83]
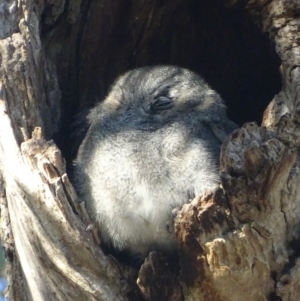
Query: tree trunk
[240, 242]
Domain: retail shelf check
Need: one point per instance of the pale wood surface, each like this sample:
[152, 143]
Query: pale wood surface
[238, 244]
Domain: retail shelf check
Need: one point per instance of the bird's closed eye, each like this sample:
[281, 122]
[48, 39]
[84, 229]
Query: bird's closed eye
[162, 103]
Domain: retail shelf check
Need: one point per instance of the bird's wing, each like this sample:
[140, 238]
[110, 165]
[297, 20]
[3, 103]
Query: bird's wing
[221, 128]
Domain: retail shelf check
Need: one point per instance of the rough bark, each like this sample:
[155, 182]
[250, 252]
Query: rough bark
[50, 255]
[249, 246]
[239, 242]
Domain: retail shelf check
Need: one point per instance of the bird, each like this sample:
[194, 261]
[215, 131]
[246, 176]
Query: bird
[151, 145]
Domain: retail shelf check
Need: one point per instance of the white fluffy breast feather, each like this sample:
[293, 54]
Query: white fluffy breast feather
[151, 146]
[138, 206]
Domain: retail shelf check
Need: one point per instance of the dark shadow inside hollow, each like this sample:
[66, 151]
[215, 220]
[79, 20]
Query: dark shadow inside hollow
[218, 41]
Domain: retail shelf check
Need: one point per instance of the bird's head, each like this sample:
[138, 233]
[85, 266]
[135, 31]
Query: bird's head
[156, 95]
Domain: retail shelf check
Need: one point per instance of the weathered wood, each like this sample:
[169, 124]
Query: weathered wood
[244, 244]
[50, 255]
[59, 259]
[240, 242]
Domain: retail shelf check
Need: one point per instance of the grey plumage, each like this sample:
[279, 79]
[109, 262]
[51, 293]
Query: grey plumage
[152, 145]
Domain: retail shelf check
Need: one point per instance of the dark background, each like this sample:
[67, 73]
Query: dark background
[106, 38]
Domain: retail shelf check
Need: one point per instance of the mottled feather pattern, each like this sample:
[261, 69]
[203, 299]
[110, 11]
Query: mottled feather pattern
[152, 144]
